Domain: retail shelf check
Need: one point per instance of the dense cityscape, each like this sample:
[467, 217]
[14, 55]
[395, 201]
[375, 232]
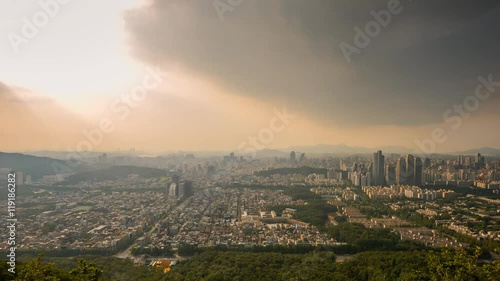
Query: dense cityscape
[242, 203]
[238, 140]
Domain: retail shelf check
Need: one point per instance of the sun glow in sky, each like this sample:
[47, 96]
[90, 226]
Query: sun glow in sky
[78, 58]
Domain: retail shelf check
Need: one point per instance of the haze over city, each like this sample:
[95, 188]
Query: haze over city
[223, 73]
[174, 140]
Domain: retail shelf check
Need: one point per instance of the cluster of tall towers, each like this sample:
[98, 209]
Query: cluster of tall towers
[407, 171]
[177, 188]
[293, 157]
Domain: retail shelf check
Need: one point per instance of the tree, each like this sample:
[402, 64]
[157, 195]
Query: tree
[86, 272]
[452, 266]
[36, 271]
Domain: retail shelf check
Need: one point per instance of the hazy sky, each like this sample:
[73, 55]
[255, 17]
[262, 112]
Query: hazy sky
[226, 69]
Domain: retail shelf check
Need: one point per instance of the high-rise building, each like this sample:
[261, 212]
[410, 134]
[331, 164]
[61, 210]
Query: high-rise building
[390, 174]
[378, 168]
[355, 167]
[173, 190]
[175, 179]
[369, 179]
[427, 163]
[28, 179]
[343, 175]
[461, 159]
[401, 171]
[302, 157]
[185, 189]
[364, 180]
[331, 174]
[410, 169]
[468, 160]
[292, 156]
[356, 178]
[19, 178]
[181, 189]
[418, 171]
[173, 186]
[188, 188]
[479, 161]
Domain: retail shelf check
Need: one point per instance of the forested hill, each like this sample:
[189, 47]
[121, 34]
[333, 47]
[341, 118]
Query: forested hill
[35, 166]
[113, 173]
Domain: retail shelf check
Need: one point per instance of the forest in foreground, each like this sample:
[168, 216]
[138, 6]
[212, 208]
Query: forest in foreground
[443, 265]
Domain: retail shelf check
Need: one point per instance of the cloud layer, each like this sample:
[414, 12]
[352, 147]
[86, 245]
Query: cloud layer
[226, 76]
[424, 61]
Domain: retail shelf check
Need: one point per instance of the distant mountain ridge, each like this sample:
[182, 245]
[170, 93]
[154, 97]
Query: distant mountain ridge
[343, 149]
[483, 150]
[346, 149]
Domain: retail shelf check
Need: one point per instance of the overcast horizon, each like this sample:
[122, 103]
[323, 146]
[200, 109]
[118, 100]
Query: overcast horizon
[234, 76]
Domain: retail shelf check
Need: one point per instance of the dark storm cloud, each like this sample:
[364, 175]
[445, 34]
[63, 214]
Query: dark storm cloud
[424, 61]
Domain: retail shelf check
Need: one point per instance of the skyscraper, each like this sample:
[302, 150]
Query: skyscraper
[185, 188]
[479, 161]
[410, 169]
[173, 186]
[188, 188]
[173, 190]
[427, 162]
[292, 156]
[354, 167]
[19, 178]
[378, 168]
[401, 171]
[302, 157]
[390, 174]
[418, 171]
